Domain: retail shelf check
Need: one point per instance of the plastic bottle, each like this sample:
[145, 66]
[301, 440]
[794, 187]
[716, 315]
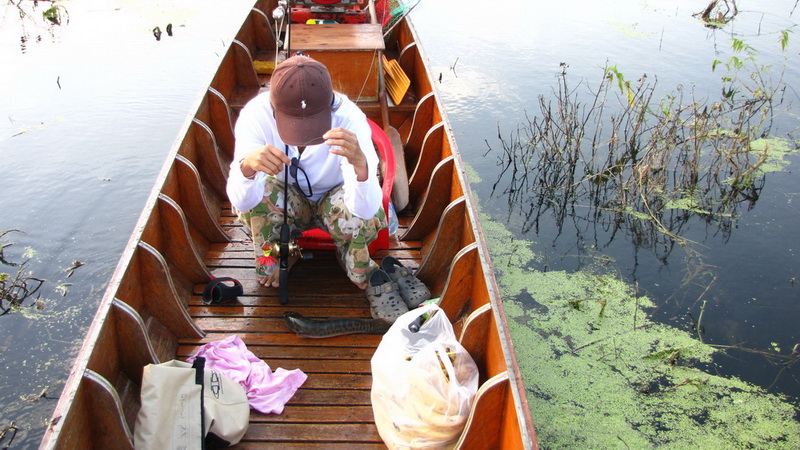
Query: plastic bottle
[393, 222]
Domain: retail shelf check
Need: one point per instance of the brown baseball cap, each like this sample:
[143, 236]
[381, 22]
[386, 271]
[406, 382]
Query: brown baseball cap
[301, 93]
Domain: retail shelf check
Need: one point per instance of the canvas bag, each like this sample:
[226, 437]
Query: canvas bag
[423, 383]
[188, 407]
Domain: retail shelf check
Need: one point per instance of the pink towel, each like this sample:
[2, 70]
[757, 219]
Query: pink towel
[267, 391]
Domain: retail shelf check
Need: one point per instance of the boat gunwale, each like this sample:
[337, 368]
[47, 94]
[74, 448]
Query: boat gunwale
[514, 375]
[103, 314]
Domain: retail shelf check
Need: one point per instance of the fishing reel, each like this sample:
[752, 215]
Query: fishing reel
[274, 249]
[281, 250]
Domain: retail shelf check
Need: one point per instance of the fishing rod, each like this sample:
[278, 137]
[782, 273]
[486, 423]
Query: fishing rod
[283, 263]
[283, 9]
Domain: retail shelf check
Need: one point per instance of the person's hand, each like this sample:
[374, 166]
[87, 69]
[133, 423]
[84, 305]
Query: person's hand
[345, 143]
[268, 159]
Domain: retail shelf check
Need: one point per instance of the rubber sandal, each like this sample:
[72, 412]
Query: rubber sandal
[412, 290]
[384, 297]
[216, 292]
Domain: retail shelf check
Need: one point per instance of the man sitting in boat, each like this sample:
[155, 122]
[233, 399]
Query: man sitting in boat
[324, 140]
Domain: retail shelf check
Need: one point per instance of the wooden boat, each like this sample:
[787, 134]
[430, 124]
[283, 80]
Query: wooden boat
[152, 310]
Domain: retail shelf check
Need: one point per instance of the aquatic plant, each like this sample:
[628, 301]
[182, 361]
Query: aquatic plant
[642, 163]
[600, 370]
[17, 288]
[718, 13]
[54, 15]
[9, 431]
[601, 373]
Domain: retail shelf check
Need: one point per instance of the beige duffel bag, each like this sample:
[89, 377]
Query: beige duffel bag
[185, 406]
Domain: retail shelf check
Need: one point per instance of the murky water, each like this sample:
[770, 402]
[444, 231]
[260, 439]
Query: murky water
[745, 268]
[90, 110]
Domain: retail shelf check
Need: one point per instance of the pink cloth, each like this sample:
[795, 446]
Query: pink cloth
[267, 391]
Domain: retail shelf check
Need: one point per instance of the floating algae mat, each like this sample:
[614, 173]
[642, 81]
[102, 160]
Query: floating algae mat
[600, 374]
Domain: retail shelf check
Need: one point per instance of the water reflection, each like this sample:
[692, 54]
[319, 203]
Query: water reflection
[615, 163]
[739, 255]
[619, 158]
[88, 114]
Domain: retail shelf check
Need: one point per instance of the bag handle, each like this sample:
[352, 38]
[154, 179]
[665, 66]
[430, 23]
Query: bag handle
[199, 366]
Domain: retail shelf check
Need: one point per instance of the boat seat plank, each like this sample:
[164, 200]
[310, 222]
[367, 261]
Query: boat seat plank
[265, 445]
[194, 201]
[313, 414]
[337, 37]
[420, 124]
[278, 339]
[135, 347]
[431, 208]
[457, 292]
[483, 429]
[236, 78]
[446, 243]
[221, 122]
[319, 434]
[159, 295]
[171, 237]
[474, 335]
[212, 165]
[256, 33]
[109, 428]
[408, 57]
[429, 156]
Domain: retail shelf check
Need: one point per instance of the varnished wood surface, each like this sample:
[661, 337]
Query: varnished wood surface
[337, 37]
[153, 311]
[333, 407]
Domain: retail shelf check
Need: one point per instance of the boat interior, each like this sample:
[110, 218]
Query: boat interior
[153, 310]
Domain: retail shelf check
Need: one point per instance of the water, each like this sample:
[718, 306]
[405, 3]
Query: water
[90, 111]
[495, 64]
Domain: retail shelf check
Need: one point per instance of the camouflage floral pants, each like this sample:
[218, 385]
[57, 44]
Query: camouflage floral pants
[352, 235]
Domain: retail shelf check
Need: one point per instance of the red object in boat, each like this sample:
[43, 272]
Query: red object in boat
[318, 239]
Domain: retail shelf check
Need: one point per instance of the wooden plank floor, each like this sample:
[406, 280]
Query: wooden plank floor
[332, 408]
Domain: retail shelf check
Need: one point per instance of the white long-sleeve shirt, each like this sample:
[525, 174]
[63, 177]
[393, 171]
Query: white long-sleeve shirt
[256, 127]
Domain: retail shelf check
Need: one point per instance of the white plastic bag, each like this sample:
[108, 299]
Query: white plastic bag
[423, 383]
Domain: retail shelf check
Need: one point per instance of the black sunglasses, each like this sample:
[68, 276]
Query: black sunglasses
[293, 172]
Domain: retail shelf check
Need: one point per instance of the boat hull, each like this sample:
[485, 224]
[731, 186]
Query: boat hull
[152, 310]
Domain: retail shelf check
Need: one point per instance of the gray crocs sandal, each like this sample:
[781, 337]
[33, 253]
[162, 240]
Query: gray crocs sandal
[384, 297]
[411, 288]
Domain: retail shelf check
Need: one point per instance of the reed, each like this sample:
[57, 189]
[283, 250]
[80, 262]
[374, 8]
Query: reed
[17, 288]
[619, 157]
